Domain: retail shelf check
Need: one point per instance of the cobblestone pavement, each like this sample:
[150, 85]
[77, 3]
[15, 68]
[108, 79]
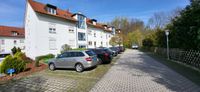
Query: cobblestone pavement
[137, 72]
[39, 83]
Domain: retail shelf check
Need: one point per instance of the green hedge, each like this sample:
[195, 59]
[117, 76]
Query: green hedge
[80, 49]
[15, 62]
[48, 56]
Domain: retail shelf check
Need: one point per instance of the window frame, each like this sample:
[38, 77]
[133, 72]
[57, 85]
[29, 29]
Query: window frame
[81, 37]
[81, 46]
[51, 10]
[52, 28]
[50, 44]
[2, 41]
[81, 21]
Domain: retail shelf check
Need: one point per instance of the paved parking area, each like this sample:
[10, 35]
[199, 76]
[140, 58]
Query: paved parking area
[39, 83]
[137, 72]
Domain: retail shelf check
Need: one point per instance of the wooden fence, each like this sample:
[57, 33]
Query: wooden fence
[191, 58]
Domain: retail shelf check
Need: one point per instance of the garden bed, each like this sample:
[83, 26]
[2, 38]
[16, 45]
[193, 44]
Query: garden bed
[30, 68]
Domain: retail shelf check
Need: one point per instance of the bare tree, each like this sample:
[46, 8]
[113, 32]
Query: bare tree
[159, 20]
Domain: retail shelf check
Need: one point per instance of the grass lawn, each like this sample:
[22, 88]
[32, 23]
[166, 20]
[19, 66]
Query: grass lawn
[85, 80]
[185, 71]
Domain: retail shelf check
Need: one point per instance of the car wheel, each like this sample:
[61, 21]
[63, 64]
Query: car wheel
[79, 68]
[52, 67]
[100, 61]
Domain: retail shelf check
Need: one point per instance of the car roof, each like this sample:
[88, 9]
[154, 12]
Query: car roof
[76, 50]
[5, 52]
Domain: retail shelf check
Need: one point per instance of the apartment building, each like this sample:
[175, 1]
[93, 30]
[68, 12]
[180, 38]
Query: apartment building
[48, 28]
[10, 37]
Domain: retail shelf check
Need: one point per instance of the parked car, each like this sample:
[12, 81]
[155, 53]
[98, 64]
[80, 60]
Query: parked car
[3, 56]
[78, 60]
[135, 46]
[121, 48]
[102, 56]
[115, 49]
[107, 50]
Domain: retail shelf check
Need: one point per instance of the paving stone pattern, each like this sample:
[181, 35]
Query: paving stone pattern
[39, 83]
[137, 72]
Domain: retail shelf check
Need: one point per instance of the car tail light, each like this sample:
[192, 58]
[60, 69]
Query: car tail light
[88, 59]
[106, 54]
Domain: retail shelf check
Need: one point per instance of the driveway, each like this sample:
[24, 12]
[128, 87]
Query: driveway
[137, 72]
[39, 82]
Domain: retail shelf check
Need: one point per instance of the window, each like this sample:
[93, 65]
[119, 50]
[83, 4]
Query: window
[21, 41]
[101, 43]
[52, 43]
[52, 30]
[90, 53]
[81, 36]
[14, 33]
[64, 55]
[15, 42]
[4, 55]
[82, 46]
[51, 10]
[81, 22]
[90, 42]
[78, 54]
[2, 42]
[95, 44]
[94, 34]
[71, 30]
[89, 32]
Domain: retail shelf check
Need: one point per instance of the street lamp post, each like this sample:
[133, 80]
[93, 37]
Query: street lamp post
[167, 35]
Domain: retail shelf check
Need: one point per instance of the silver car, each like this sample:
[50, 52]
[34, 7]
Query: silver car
[79, 60]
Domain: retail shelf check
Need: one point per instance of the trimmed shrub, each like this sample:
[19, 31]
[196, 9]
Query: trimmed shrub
[18, 49]
[80, 49]
[14, 50]
[13, 62]
[65, 47]
[22, 56]
[48, 56]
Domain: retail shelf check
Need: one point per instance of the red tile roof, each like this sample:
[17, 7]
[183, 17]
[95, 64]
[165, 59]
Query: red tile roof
[40, 8]
[6, 31]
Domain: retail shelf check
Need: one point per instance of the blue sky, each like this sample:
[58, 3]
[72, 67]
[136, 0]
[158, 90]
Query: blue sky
[12, 11]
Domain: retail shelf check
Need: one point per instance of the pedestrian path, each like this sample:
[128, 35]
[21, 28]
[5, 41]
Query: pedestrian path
[137, 72]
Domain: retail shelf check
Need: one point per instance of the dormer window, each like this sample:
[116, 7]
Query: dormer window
[94, 21]
[14, 33]
[105, 26]
[110, 28]
[51, 9]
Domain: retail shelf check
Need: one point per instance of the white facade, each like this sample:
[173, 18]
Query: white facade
[7, 43]
[46, 34]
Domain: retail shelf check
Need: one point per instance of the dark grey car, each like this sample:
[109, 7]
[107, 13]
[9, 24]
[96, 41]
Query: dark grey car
[79, 60]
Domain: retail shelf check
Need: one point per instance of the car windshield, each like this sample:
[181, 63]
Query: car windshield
[3, 55]
[90, 53]
[108, 49]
